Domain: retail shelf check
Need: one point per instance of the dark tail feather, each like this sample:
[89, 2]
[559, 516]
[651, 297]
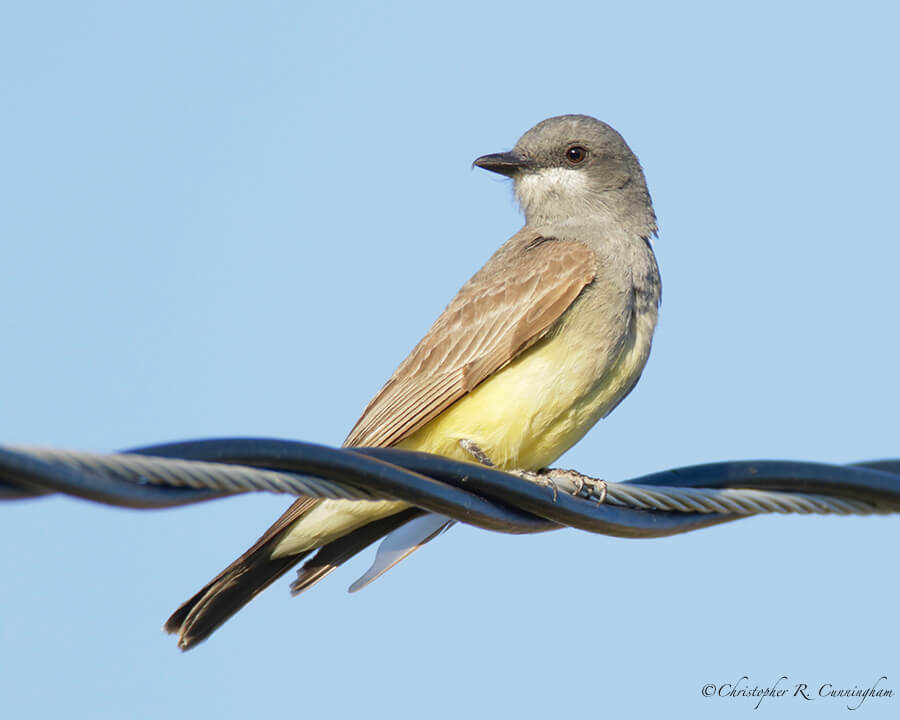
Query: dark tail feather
[336, 553]
[256, 569]
[237, 584]
[233, 588]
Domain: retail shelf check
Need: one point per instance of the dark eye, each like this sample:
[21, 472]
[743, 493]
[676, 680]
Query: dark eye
[576, 154]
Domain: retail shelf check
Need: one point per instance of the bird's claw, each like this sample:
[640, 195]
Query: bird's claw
[584, 486]
[596, 489]
[541, 477]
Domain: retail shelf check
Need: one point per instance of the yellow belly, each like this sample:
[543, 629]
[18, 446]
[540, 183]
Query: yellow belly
[530, 412]
[523, 417]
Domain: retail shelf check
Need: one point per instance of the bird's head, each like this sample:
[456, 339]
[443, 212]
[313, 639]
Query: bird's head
[573, 166]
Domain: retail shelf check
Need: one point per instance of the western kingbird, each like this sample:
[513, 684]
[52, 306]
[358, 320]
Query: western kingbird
[546, 339]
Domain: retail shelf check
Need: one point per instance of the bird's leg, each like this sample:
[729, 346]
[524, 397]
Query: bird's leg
[482, 457]
[581, 485]
[476, 452]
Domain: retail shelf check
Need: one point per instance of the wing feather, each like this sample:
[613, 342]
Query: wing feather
[507, 306]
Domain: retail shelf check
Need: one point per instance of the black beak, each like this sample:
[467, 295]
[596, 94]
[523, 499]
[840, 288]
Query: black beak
[508, 163]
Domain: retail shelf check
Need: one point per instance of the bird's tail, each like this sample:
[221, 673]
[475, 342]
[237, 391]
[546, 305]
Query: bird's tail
[200, 616]
[224, 595]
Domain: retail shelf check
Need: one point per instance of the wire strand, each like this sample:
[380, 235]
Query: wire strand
[657, 505]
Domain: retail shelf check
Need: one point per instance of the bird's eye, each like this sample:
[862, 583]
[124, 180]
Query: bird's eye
[576, 155]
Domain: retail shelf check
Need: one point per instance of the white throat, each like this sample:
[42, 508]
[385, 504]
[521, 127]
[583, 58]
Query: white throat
[555, 193]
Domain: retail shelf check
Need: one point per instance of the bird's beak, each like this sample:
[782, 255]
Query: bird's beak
[507, 163]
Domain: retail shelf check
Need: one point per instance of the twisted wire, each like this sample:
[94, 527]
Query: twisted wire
[220, 477]
[736, 501]
[179, 473]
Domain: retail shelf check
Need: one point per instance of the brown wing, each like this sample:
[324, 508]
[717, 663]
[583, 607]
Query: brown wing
[507, 306]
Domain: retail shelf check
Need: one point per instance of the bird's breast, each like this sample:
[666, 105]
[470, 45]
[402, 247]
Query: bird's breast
[535, 408]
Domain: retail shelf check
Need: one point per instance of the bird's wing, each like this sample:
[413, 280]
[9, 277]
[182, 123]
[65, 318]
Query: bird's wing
[506, 307]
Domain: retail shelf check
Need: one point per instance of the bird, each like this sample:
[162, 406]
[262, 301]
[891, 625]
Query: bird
[544, 340]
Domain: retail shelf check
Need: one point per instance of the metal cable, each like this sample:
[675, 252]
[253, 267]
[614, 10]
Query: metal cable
[223, 478]
[655, 505]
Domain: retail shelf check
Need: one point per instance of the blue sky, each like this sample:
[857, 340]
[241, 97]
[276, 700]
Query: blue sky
[236, 219]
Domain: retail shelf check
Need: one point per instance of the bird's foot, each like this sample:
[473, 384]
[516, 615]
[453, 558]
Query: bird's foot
[540, 477]
[571, 481]
[584, 486]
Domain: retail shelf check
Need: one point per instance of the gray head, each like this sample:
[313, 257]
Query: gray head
[573, 166]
